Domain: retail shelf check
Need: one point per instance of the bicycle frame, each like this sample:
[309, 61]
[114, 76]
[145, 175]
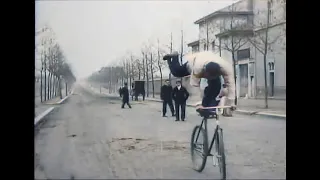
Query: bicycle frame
[205, 122]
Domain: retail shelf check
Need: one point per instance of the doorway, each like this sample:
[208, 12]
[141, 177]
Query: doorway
[271, 79]
[243, 79]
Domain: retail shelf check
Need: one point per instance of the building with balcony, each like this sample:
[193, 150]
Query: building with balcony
[235, 33]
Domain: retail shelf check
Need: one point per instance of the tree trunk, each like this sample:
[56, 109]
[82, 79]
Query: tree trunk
[130, 77]
[45, 84]
[143, 67]
[159, 65]
[220, 51]
[147, 75]
[160, 76]
[66, 88]
[49, 84]
[60, 89]
[139, 71]
[265, 60]
[171, 42]
[151, 64]
[127, 67]
[265, 80]
[41, 86]
[54, 86]
[57, 87]
[235, 77]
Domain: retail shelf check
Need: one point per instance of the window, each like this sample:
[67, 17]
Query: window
[271, 66]
[213, 44]
[270, 13]
[195, 49]
[243, 54]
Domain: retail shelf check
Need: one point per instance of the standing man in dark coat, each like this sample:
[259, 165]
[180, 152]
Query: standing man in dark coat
[166, 97]
[125, 95]
[180, 96]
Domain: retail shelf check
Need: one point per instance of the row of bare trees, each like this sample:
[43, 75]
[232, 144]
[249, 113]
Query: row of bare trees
[54, 69]
[146, 65]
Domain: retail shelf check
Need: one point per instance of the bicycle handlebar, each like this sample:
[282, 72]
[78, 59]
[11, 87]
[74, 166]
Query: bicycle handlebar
[213, 107]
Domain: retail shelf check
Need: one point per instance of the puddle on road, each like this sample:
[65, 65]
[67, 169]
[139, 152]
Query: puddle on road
[124, 145]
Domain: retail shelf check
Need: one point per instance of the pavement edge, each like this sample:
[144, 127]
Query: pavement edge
[244, 112]
[41, 116]
[238, 111]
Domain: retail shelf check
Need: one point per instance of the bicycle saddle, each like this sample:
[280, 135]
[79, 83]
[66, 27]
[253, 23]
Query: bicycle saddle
[207, 113]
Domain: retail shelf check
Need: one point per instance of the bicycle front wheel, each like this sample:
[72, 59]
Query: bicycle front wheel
[221, 154]
[199, 148]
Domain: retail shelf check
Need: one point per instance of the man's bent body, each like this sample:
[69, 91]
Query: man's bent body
[194, 65]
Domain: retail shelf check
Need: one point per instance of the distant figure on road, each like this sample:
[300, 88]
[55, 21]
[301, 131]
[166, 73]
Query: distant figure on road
[120, 91]
[180, 96]
[125, 96]
[166, 97]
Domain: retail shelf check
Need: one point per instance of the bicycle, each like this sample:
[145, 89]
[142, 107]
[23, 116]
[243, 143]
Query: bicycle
[219, 155]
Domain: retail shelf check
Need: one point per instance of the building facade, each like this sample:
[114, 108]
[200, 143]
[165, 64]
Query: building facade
[237, 33]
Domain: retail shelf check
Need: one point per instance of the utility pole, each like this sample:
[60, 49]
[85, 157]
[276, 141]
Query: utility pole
[181, 53]
[170, 52]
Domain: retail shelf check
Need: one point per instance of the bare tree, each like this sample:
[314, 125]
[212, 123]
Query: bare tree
[171, 44]
[41, 72]
[152, 63]
[161, 63]
[152, 71]
[125, 68]
[234, 37]
[143, 64]
[138, 68]
[181, 53]
[47, 47]
[145, 51]
[263, 41]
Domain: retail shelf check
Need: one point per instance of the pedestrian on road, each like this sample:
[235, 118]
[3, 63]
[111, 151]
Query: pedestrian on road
[120, 91]
[125, 96]
[166, 97]
[180, 96]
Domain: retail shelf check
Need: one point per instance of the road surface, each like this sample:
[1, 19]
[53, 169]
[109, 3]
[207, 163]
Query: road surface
[91, 137]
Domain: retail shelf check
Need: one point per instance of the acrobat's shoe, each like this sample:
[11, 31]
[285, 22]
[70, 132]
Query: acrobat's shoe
[171, 55]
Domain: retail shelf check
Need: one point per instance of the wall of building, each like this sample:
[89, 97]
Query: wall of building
[276, 54]
[213, 29]
[244, 5]
[278, 12]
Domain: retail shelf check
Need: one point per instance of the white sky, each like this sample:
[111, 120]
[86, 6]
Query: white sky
[95, 33]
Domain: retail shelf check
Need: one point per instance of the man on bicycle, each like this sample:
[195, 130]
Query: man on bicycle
[209, 66]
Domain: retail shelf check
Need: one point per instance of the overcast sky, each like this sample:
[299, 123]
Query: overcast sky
[95, 33]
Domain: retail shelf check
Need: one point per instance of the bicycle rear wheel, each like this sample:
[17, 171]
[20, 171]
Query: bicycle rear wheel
[221, 154]
[199, 148]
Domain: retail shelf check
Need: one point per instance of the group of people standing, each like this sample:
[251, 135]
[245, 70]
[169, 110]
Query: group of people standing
[179, 95]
